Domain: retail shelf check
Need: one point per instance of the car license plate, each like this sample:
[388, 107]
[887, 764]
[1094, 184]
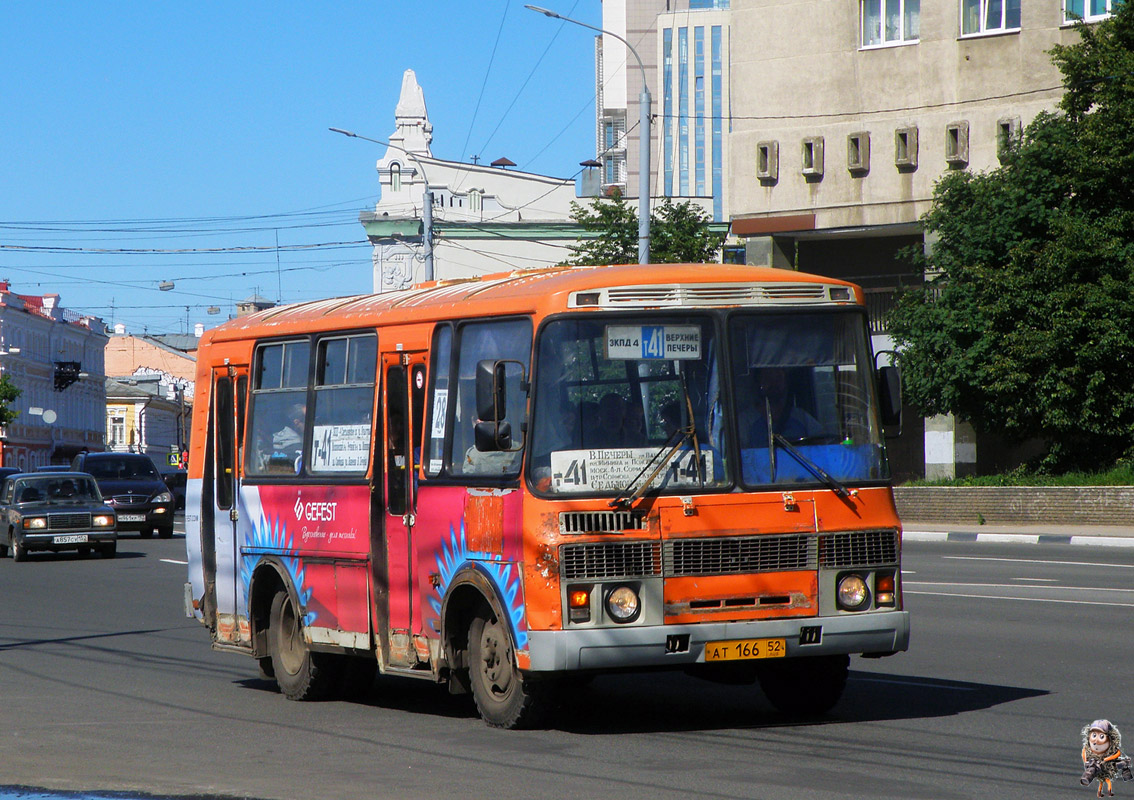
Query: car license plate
[74, 538]
[131, 517]
[741, 649]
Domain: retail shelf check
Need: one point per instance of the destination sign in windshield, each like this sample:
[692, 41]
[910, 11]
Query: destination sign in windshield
[610, 470]
[653, 342]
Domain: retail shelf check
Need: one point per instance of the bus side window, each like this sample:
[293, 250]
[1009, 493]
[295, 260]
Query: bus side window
[507, 340]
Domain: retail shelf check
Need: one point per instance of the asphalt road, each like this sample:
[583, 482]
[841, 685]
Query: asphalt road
[105, 685]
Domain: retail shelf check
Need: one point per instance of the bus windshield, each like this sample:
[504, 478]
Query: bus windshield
[623, 404]
[804, 399]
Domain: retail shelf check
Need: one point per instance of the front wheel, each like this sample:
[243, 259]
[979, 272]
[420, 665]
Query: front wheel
[504, 697]
[165, 533]
[109, 550]
[19, 550]
[300, 673]
[805, 686]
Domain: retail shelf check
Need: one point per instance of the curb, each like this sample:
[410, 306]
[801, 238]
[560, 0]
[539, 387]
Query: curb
[1017, 538]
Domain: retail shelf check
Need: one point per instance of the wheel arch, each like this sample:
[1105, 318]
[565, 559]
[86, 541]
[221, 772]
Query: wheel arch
[470, 590]
[268, 578]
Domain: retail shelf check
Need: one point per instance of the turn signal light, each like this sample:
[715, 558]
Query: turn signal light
[579, 598]
[579, 603]
[884, 590]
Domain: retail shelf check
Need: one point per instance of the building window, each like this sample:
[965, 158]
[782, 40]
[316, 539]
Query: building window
[858, 153]
[989, 16]
[395, 177]
[474, 201]
[1088, 10]
[1009, 132]
[957, 144]
[905, 149]
[117, 431]
[812, 155]
[886, 22]
[767, 162]
[667, 106]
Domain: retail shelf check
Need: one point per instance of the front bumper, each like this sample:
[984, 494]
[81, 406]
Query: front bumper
[66, 540]
[666, 646]
[143, 518]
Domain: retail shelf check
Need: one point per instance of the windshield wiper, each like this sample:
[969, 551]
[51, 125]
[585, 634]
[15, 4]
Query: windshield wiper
[625, 498]
[838, 488]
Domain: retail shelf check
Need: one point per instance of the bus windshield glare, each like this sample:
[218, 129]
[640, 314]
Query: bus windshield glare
[624, 403]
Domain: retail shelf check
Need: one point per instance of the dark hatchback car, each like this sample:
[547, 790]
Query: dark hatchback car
[64, 511]
[132, 486]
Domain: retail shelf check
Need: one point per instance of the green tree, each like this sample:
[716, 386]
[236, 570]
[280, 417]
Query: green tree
[8, 394]
[679, 233]
[1026, 326]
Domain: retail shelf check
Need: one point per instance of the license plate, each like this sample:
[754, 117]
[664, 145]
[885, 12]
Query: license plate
[74, 538]
[131, 517]
[743, 649]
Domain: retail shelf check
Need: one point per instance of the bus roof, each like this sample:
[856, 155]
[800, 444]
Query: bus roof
[628, 286]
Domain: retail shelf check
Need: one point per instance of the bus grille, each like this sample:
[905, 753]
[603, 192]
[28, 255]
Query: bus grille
[736, 556]
[858, 549]
[599, 522]
[610, 560]
[58, 522]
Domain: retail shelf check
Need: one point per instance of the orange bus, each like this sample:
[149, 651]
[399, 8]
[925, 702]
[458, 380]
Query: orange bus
[505, 483]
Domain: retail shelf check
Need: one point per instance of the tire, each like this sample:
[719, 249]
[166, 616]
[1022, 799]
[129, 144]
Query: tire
[300, 673]
[146, 533]
[109, 550]
[804, 686]
[504, 697]
[4, 548]
[19, 550]
[165, 533]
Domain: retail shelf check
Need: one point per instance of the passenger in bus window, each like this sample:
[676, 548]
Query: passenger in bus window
[634, 425]
[607, 429]
[287, 443]
[774, 397]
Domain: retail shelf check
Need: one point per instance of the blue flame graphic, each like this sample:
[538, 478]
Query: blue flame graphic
[455, 555]
[266, 536]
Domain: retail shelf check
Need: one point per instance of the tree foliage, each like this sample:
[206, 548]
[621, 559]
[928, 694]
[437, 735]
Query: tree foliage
[679, 233]
[8, 394]
[1027, 327]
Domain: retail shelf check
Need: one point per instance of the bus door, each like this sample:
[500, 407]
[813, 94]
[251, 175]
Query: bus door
[219, 523]
[404, 411]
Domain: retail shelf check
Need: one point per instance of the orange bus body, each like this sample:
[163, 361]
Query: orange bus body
[459, 504]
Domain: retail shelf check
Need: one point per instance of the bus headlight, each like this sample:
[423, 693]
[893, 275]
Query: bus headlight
[623, 604]
[852, 592]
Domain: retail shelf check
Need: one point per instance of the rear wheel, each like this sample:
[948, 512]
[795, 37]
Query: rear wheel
[300, 673]
[504, 697]
[804, 685]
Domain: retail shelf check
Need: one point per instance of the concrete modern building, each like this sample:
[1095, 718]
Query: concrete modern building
[486, 218]
[55, 357]
[844, 115]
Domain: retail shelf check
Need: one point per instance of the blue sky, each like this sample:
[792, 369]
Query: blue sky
[203, 126]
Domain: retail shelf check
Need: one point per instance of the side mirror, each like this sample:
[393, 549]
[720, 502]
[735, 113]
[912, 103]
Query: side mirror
[492, 436]
[890, 395]
[491, 390]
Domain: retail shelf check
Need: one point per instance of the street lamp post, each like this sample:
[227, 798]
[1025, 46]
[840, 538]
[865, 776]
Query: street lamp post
[427, 210]
[643, 150]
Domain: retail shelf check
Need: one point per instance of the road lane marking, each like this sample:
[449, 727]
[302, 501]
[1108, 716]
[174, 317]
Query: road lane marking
[1014, 586]
[1040, 561]
[1044, 580]
[1024, 599]
[174, 561]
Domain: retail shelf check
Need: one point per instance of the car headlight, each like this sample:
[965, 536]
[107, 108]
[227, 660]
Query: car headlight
[35, 522]
[163, 497]
[622, 604]
[852, 592]
[102, 521]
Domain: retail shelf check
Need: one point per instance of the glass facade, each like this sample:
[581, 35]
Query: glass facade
[694, 111]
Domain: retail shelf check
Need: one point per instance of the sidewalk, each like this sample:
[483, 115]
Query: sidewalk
[1097, 535]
